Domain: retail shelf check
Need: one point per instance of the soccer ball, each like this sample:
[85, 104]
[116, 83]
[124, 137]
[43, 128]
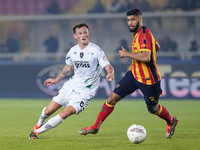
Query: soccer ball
[136, 133]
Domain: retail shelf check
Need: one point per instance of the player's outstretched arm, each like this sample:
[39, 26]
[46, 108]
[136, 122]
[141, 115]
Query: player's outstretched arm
[110, 72]
[66, 70]
[144, 56]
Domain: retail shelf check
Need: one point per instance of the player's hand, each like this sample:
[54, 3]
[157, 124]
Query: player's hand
[110, 77]
[50, 81]
[123, 52]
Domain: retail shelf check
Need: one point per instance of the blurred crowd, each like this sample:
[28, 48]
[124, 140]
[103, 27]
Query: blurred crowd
[35, 7]
[13, 41]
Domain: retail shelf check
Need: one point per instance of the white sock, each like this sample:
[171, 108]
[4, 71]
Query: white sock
[42, 118]
[51, 123]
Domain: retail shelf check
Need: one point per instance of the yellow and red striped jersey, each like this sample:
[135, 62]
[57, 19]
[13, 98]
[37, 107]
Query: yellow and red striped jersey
[144, 72]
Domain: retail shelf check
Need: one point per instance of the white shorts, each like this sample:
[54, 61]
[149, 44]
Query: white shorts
[69, 95]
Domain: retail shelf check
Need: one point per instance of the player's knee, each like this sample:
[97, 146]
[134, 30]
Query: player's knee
[113, 99]
[151, 109]
[48, 112]
[69, 110]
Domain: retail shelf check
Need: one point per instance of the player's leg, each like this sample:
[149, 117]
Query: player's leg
[163, 113]
[46, 112]
[125, 87]
[105, 111]
[54, 105]
[74, 105]
[58, 101]
[57, 120]
[152, 93]
[54, 121]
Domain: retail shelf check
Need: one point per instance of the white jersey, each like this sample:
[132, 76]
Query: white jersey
[88, 64]
[80, 88]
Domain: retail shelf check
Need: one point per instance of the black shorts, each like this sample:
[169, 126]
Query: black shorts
[128, 84]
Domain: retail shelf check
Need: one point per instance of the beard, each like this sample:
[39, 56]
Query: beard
[135, 29]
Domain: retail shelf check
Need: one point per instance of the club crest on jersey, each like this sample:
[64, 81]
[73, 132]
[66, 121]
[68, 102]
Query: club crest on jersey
[81, 54]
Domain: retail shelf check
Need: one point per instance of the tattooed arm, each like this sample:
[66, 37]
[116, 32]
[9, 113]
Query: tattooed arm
[110, 72]
[65, 71]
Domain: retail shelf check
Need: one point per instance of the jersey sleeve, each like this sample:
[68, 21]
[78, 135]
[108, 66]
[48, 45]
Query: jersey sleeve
[68, 59]
[103, 61]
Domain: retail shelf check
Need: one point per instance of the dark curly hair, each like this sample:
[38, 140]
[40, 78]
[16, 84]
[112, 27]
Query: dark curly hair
[135, 12]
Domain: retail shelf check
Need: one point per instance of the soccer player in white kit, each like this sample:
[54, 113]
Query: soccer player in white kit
[87, 60]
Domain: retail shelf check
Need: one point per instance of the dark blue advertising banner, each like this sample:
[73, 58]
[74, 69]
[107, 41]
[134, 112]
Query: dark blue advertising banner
[26, 80]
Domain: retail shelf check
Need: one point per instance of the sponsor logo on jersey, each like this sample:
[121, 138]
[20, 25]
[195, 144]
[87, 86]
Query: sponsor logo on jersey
[82, 64]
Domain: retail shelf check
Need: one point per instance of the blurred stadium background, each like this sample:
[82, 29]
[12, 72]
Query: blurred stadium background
[37, 34]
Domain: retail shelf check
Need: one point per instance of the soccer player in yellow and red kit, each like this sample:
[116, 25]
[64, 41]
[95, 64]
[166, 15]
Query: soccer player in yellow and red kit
[143, 74]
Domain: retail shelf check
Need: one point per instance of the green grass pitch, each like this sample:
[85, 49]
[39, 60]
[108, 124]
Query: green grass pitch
[17, 117]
